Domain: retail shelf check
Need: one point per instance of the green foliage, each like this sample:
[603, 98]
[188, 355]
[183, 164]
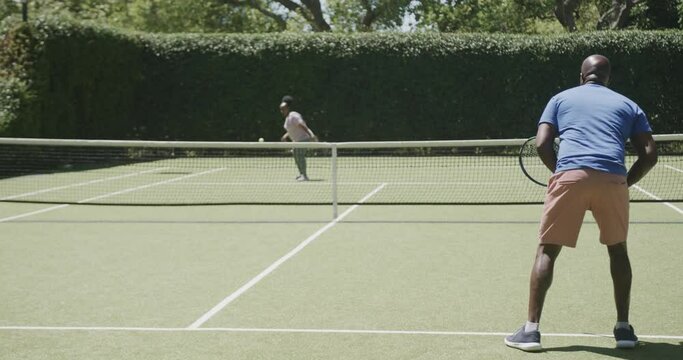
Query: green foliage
[161, 15]
[589, 13]
[510, 16]
[366, 15]
[537, 16]
[657, 14]
[169, 16]
[96, 82]
[14, 96]
[17, 62]
[67, 79]
[7, 8]
[252, 16]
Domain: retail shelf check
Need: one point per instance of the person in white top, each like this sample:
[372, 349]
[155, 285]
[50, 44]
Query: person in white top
[296, 131]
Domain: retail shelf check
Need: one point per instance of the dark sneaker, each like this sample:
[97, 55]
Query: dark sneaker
[527, 341]
[626, 338]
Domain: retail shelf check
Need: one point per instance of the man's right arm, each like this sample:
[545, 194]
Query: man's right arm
[646, 149]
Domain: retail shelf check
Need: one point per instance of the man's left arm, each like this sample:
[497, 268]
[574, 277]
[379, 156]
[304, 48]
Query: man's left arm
[646, 149]
[545, 136]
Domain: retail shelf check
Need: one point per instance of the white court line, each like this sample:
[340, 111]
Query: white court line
[57, 207]
[52, 208]
[310, 331]
[655, 197]
[151, 185]
[673, 168]
[325, 184]
[80, 184]
[230, 298]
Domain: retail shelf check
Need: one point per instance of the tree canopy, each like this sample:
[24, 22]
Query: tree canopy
[250, 16]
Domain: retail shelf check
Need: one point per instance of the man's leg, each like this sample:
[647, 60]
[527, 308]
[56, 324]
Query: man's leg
[620, 267]
[300, 160]
[297, 160]
[541, 279]
[563, 214]
[610, 208]
[528, 337]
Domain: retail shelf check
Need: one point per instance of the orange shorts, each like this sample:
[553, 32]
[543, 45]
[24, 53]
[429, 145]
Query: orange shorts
[570, 193]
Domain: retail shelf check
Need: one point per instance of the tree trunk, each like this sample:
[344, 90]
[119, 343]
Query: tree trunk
[318, 21]
[310, 10]
[564, 12]
[369, 17]
[256, 5]
[617, 16]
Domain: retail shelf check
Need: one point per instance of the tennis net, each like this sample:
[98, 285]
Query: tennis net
[109, 172]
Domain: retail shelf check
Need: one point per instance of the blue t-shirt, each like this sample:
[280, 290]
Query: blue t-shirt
[594, 123]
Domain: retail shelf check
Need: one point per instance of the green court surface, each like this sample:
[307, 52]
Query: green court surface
[287, 282]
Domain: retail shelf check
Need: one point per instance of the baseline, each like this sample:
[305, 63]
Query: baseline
[311, 331]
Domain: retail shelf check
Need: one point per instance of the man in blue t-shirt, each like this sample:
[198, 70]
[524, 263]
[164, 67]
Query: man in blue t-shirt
[589, 173]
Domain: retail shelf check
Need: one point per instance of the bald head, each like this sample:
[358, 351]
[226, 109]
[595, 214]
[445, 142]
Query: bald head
[595, 69]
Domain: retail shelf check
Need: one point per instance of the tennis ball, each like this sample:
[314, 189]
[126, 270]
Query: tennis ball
[260, 139]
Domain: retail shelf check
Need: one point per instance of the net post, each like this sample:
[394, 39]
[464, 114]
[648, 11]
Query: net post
[334, 181]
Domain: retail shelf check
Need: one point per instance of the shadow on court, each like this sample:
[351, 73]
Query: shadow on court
[646, 350]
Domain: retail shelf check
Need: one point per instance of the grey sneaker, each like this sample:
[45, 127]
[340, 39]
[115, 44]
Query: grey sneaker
[626, 338]
[527, 341]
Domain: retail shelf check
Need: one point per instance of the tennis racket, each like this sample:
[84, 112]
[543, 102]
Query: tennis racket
[532, 165]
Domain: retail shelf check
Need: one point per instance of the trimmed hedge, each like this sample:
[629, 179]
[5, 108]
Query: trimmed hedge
[96, 82]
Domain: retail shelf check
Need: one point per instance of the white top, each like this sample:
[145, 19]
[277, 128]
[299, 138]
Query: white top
[295, 131]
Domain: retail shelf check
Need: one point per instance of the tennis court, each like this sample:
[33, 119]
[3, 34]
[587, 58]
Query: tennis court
[291, 282]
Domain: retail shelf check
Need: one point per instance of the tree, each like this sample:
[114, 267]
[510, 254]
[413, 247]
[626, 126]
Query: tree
[343, 15]
[620, 14]
[617, 15]
[280, 10]
[657, 14]
[564, 12]
[512, 16]
[520, 15]
[196, 16]
[481, 15]
[368, 15]
[162, 15]
[234, 15]
[7, 8]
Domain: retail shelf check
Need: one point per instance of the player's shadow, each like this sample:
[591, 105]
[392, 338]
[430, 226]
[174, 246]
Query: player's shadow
[645, 350]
